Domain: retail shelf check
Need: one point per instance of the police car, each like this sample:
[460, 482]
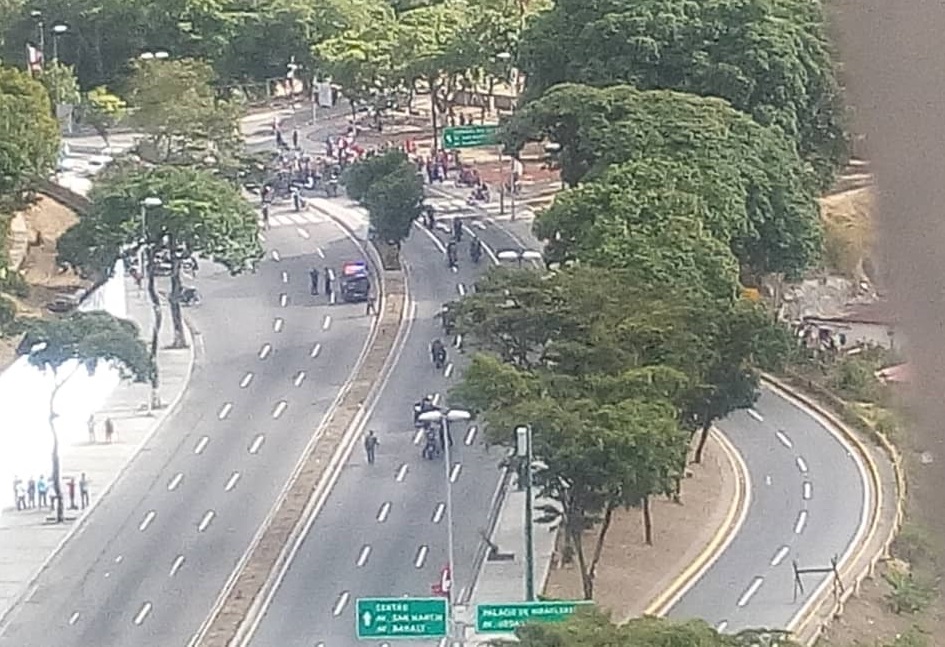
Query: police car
[355, 282]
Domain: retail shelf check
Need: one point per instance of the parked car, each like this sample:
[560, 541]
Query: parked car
[66, 301]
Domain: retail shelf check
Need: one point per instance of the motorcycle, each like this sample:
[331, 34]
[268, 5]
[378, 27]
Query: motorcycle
[189, 297]
[430, 448]
[439, 356]
[421, 407]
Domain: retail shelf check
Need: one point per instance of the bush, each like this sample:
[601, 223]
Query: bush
[910, 594]
[914, 544]
[14, 283]
[7, 317]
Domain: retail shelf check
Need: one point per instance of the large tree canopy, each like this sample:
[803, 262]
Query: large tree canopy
[769, 58]
[736, 165]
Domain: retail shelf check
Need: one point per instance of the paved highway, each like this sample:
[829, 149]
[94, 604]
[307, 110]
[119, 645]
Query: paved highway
[154, 555]
[383, 529]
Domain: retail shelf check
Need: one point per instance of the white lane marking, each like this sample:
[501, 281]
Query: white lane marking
[275, 256]
[332, 298]
[143, 613]
[331, 274]
[257, 443]
[304, 234]
[231, 482]
[417, 437]
[471, 435]
[119, 559]
[205, 521]
[178, 562]
[283, 299]
[285, 276]
[316, 349]
[340, 604]
[454, 473]
[201, 444]
[246, 380]
[767, 479]
[265, 350]
[174, 482]
[801, 522]
[722, 626]
[455, 269]
[74, 618]
[801, 465]
[780, 555]
[278, 324]
[421, 556]
[261, 238]
[750, 591]
[363, 555]
[458, 342]
[754, 414]
[321, 254]
[783, 437]
[448, 370]
[808, 490]
[327, 323]
[299, 378]
[383, 512]
[438, 512]
[413, 310]
[225, 410]
[402, 473]
[279, 409]
[461, 289]
[148, 518]
[436, 399]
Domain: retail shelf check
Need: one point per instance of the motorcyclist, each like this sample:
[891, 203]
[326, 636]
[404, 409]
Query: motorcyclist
[448, 320]
[430, 448]
[189, 296]
[422, 406]
[475, 249]
[438, 353]
[451, 254]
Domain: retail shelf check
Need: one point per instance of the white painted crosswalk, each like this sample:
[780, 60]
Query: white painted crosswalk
[295, 219]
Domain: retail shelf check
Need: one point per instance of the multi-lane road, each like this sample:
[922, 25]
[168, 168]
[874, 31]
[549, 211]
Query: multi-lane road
[148, 564]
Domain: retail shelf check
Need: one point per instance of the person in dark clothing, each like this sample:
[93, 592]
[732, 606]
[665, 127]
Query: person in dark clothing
[327, 283]
[295, 138]
[370, 446]
[313, 275]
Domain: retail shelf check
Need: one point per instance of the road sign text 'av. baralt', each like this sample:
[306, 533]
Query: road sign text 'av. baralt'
[401, 618]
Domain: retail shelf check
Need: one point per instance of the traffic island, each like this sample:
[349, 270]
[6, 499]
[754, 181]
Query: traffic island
[256, 578]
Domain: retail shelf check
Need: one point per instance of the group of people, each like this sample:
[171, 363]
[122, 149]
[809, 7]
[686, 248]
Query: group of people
[40, 493]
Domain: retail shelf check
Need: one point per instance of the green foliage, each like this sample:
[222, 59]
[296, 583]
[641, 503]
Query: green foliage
[7, 316]
[911, 593]
[102, 110]
[390, 188]
[754, 193]
[178, 109]
[29, 135]
[61, 83]
[769, 58]
[88, 337]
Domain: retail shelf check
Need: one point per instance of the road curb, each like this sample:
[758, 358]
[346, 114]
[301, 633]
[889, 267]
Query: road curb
[720, 540]
[808, 626]
[256, 578]
[79, 524]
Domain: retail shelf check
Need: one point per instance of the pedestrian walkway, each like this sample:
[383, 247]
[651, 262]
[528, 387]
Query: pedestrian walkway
[30, 538]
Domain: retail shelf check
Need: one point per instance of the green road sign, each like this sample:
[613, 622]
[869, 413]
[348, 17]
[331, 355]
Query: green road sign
[469, 136]
[504, 618]
[401, 618]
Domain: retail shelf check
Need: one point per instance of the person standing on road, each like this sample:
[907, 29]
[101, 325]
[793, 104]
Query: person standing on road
[295, 138]
[41, 489]
[84, 491]
[109, 430]
[313, 275]
[71, 487]
[370, 446]
[328, 283]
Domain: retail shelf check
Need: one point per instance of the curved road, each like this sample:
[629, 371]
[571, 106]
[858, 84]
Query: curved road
[150, 561]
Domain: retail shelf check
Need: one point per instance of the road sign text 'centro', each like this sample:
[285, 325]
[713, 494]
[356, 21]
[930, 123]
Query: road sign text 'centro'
[401, 618]
[469, 136]
[502, 618]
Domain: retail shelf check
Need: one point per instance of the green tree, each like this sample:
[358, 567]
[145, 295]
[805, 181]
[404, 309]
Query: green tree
[29, 135]
[200, 215]
[102, 110]
[710, 150]
[390, 188]
[770, 58]
[61, 83]
[85, 339]
[177, 107]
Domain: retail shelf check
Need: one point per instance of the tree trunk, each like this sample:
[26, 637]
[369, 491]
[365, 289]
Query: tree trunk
[601, 535]
[576, 532]
[180, 340]
[704, 436]
[158, 318]
[647, 522]
[436, 133]
[55, 476]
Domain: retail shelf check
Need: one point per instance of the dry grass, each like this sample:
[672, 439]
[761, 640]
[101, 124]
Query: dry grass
[848, 232]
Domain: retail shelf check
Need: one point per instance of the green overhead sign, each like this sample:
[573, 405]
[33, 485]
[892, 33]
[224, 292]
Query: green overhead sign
[393, 618]
[504, 618]
[469, 136]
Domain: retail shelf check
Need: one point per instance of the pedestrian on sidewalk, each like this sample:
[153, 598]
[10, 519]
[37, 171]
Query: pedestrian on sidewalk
[70, 486]
[295, 138]
[109, 430]
[91, 425]
[84, 491]
[41, 489]
[313, 275]
[20, 493]
[31, 492]
[370, 446]
[265, 215]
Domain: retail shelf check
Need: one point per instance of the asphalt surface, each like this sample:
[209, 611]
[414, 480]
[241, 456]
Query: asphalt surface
[383, 529]
[152, 558]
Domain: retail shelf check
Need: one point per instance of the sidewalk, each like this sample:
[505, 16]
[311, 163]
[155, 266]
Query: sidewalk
[28, 540]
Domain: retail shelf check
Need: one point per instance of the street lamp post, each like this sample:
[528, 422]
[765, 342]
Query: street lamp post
[519, 255]
[148, 203]
[523, 446]
[445, 417]
[57, 30]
